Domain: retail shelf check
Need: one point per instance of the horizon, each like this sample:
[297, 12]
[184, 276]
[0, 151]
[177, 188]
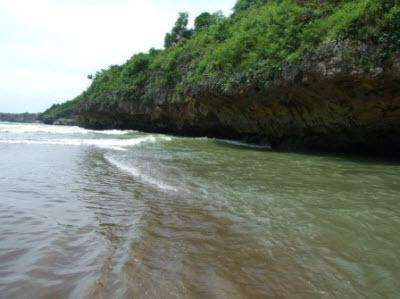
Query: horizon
[46, 57]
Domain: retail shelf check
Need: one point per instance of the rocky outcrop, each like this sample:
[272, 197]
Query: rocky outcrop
[20, 117]
[344, 98]
[65, 122]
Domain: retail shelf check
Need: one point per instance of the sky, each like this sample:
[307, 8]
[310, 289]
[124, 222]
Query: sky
[48, 47]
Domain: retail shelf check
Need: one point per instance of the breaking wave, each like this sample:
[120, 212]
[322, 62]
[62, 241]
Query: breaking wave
[41, 128]
[238, 143]
[114, 144]
[138, 174]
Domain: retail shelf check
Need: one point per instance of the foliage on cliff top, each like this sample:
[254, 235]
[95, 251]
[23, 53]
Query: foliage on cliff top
[65, 110]
[221, 54]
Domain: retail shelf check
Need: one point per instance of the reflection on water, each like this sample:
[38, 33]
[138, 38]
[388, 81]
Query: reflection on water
[126, 214]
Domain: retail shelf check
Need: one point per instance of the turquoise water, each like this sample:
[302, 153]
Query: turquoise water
[122, 214]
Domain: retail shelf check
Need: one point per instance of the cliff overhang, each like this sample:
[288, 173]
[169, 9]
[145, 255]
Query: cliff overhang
[344, 98]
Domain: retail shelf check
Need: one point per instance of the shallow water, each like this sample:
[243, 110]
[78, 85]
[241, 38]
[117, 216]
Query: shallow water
[124, 214]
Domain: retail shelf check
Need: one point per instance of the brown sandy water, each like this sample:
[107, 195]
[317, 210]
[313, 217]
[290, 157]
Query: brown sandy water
[115, 214]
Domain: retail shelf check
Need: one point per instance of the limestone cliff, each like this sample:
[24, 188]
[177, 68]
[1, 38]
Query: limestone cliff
[327, 101]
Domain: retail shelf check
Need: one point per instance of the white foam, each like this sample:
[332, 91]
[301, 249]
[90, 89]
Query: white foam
[111, 132]
[41, 128]
[238, 143]
[137, 173]
[114, 144]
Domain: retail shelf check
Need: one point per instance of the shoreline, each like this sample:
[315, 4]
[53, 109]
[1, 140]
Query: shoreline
[253, 142]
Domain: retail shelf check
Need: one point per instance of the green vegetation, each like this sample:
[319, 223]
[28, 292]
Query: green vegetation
[57, 111]
[179, 32]
[221, 55]
[242, 5]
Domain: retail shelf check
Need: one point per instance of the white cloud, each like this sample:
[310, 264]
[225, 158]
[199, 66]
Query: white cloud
[47, 47]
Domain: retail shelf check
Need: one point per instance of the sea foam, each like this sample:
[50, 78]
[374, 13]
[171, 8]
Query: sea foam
[243, 144]
[114, 144]
[41, 128]
[134, 171]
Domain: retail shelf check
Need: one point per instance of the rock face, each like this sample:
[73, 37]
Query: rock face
[20, 117]
[65, 122]
[345, 98]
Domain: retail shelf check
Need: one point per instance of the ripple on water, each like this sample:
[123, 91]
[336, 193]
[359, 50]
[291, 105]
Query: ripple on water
[85, 220]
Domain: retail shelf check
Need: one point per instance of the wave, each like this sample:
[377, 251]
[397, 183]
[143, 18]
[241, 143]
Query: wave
[238, 143]
[112, 132]
[41, 128]
[114, 144]
[137, 173]
[234, 142]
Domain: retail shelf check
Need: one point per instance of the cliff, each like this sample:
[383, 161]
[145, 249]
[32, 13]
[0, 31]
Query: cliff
[325, 102]
[303, 75]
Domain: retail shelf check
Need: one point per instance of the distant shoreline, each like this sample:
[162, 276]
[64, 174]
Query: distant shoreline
[21, 117]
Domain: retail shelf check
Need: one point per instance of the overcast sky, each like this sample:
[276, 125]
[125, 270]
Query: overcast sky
[48, 47]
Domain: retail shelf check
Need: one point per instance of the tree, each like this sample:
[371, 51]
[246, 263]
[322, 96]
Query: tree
[179, 31]
[202, 21]
[205, 20]
[242, 5]
[169, 40]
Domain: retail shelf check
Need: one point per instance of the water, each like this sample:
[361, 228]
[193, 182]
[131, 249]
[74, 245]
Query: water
[124, 214]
